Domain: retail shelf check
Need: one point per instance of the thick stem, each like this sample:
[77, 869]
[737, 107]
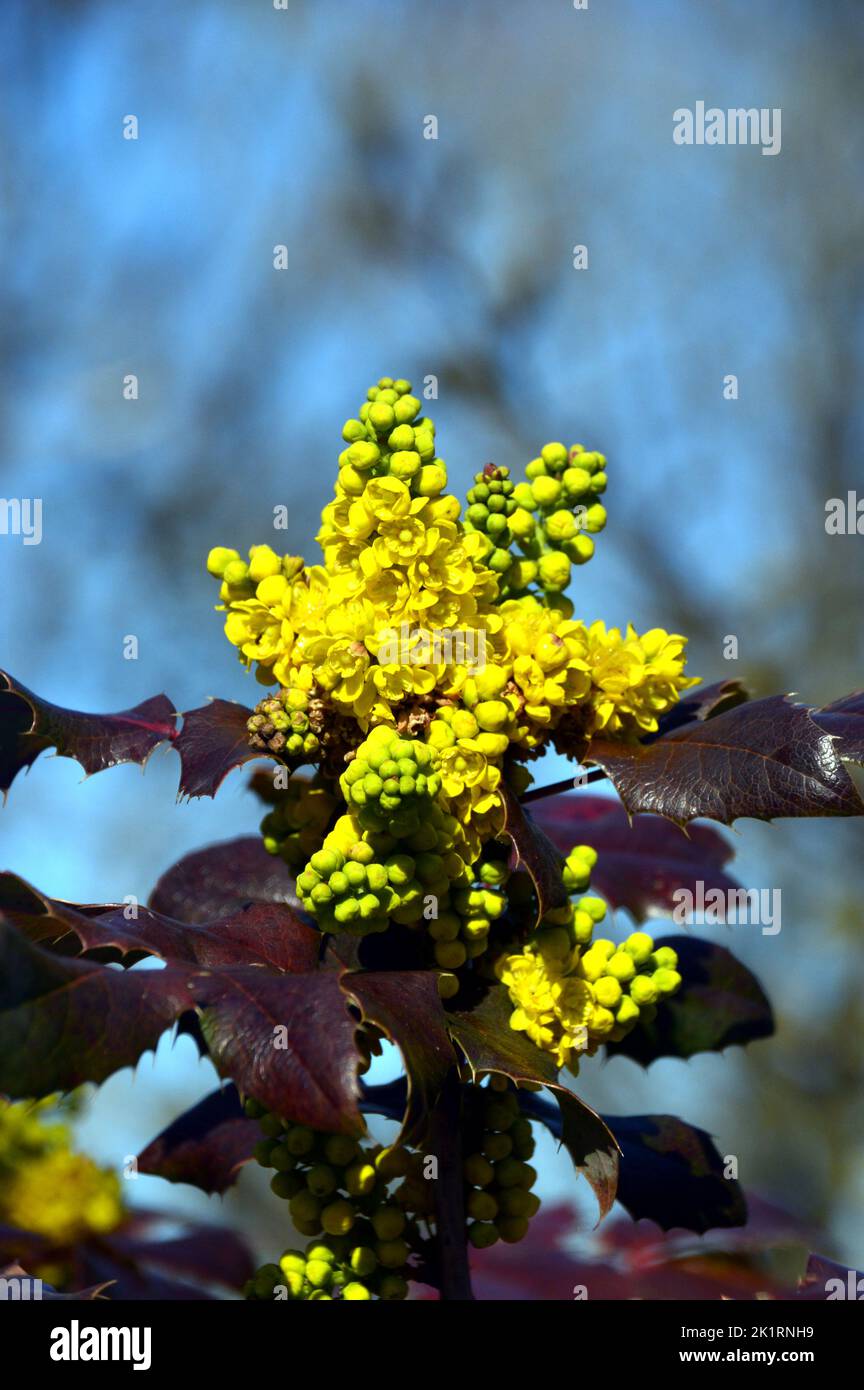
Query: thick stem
[450, 1230]
[595, 775]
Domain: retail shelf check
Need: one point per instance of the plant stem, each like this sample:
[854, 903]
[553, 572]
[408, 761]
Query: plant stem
[595, 775]
[446, 1145]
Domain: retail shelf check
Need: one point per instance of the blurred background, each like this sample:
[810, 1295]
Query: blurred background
[303, 128]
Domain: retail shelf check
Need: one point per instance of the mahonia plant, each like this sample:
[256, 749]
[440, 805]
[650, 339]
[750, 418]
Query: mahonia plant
[402, 891]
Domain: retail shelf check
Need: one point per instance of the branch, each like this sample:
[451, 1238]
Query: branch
[446, 1145]
[595, 775]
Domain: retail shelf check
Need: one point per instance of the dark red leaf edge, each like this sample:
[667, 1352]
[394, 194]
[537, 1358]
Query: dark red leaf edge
[763, 759]
[535, 851]
[206, 1146]
[670, 1171]
[29, 725]
[406, 1006]
[268, 934]
[213, 741]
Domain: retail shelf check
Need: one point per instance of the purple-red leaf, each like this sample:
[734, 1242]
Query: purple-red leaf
[642, 862]
[206, 1146]
[844, 720]
[720, 1003]
[701, 703]
[406, 1006]
[219, 880]
[287, 1040]
[536, 853]
[63, 1022]
[214, 740]
[670, 1171]
[268, 934]
[764, 759]
[29, 724]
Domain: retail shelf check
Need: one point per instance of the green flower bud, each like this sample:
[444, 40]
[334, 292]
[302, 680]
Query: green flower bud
[219, 558]
[664, 958]
[392, 1254]
[404, 463]
[560, 526]
[356, 1293]
[640, 946]
[554, 571]
[478, 1170]
[643, 990]
[264, 563]
[579, 550]
[576, 483]
[406, 408]
[482, 1235]
[621, 967]
[388, 1222]
[667, 981]
[338, 1218]
[546, 491]
[381, 417]
[363, 455]
[555, 456]
[363, 1261]
[594, 518]
[236, 573]
[627, 1012]
[492, 715]
[607, 991]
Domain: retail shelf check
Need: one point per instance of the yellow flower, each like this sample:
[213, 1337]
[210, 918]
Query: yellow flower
[552, 1008]
[634, 678]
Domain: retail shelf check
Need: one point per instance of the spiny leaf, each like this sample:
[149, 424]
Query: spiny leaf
[63, 1022]
[406, 1006]
[719, 1003]
[642, 862]
[261, 934]
[670, 1171]
[764, 759]
[536, 852]
[844, 719]
[287, 1040]
[490, 1044]
[704, 702]
[214, 740]
[29, 725]
[206, 1145]
[219, 880]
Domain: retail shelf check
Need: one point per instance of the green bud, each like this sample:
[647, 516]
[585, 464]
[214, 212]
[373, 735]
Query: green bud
[219, 558]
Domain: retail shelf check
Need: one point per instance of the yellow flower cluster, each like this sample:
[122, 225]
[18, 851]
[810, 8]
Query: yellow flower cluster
[47, 1188]
[571, 992]
[405, 615]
